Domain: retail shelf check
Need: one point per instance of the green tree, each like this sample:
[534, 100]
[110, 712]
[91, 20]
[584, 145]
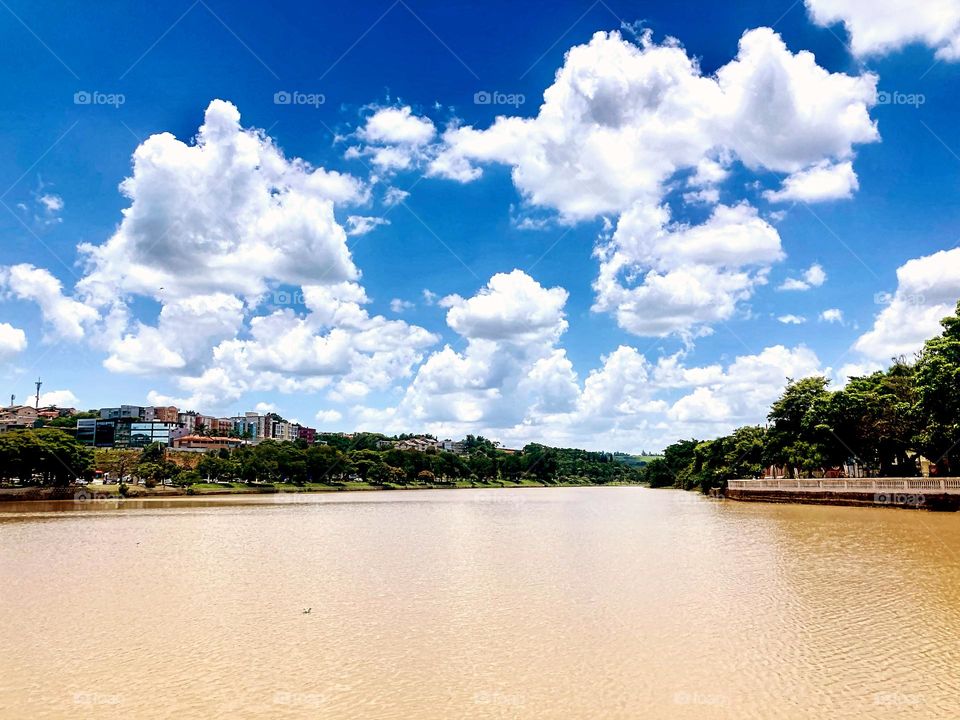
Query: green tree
[938, 396]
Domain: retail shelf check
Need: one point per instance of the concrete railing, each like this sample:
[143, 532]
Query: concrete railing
[949, 485]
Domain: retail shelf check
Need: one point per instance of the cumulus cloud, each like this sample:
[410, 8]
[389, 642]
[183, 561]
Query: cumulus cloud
[394, 139]
[399, 305]
[212, 225]
[881, 26]
[515, 382]
[336, 346]
[660, 277]
[64, 317]
[928, 288]
[186, 329]
[513, 306]
[823, 181]
[832, 315]
[812, 277]
[362, 224]
[227, 213]
[328, 417]
[12, 340]
[620, 120]
[792, 319]
[623, 123]
[58, 398]
[510, 365]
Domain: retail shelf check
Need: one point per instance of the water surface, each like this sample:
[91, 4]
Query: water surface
[526, 603]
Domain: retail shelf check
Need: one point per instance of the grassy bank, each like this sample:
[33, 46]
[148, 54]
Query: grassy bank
[99, 492]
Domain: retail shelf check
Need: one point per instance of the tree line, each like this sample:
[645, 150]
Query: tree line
[884, 423]
[354, 459]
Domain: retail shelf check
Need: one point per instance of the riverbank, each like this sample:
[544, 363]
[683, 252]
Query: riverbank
[139, 492]
[942, 494]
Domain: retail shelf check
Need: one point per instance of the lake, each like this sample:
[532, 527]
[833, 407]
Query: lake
[616, 602]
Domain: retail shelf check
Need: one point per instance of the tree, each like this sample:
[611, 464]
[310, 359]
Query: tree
[798, 438]
[44, 456]
[938, 396]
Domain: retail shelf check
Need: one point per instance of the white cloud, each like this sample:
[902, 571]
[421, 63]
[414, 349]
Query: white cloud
[58, 398]
[622, 124]
[51, 202]
[689, 276]
[394, 196]
[881, 26]
[512, 381]
[264, 408]
[397, 126]
[621, 120]
[510, 366]
[65, 318]
[857, 369]
[211, 227]
[186, 330]
[228, 213]
[362, 224]
[328, 417]
[823, 181]
[928, 288]
[513, 306]
[812, 277]
[399, 305]
[12, 340]
[336, 346]
[792, 319]
[832, 315]
[395, 139]
[430, 297]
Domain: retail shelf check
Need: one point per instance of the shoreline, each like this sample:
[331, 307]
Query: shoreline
[105, 493]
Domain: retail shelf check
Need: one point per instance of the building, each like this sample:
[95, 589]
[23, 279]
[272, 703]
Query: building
[17, 417]
[187, 420]
[307, 433]
[206, 443]
[455, 446]
[131, 412]
[95, 432]
[52, 411]
[168, 414]
[124, 432]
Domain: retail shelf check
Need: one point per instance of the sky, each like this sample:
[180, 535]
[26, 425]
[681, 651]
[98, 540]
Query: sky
[608, 225]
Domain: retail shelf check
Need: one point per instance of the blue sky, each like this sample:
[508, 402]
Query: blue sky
[609, 267]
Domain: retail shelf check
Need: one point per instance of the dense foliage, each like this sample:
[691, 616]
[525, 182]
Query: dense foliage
[344, 459]
[43, 456]
[883, 423]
